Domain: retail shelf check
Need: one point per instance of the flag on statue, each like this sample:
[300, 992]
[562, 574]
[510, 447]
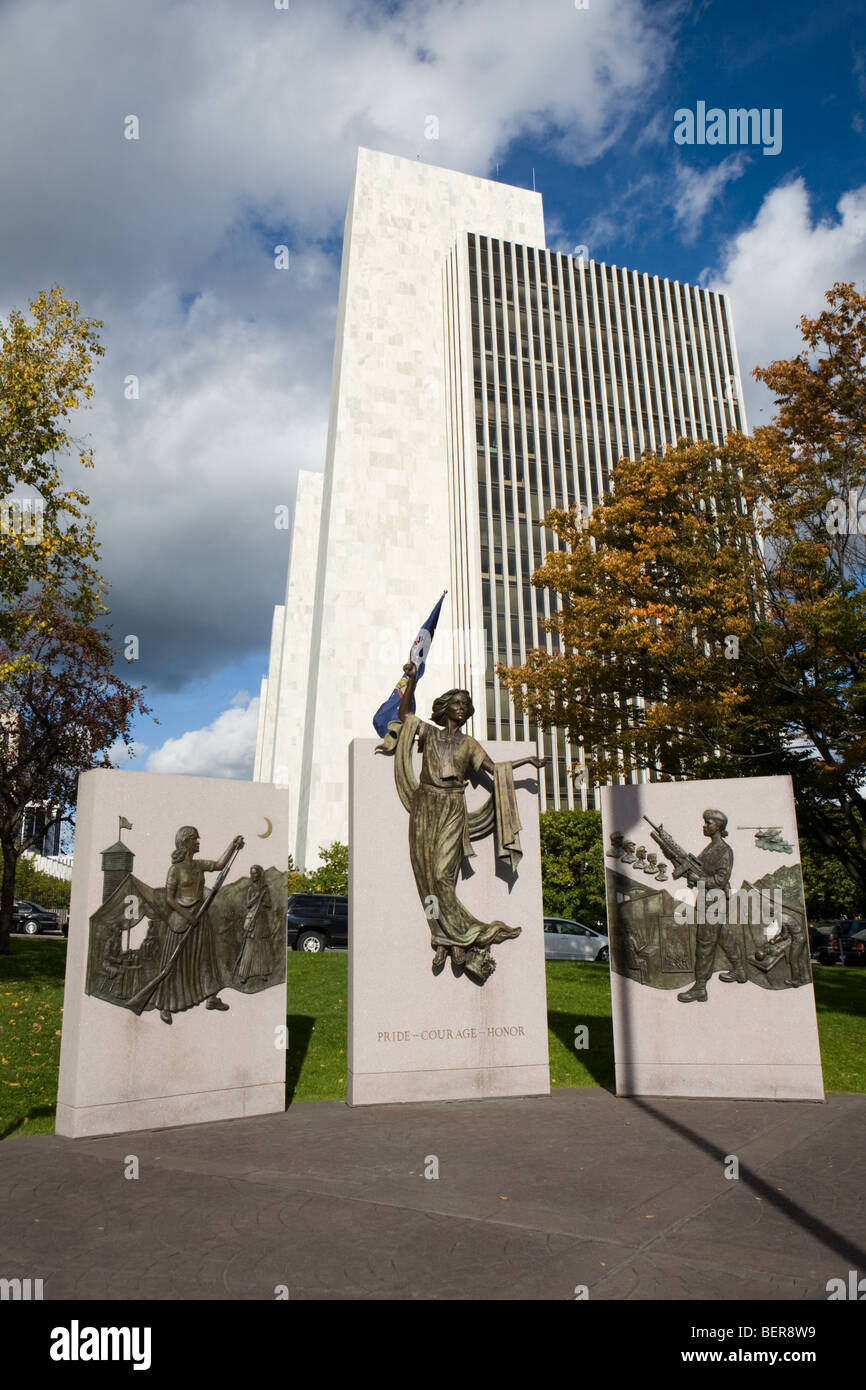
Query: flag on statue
[420, 648]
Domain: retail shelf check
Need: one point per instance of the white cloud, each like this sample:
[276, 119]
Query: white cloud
[695, 191]
[224, 748]
[188, 476]
[250, 118]
[244, 109]
[778, 269]
[127, 757]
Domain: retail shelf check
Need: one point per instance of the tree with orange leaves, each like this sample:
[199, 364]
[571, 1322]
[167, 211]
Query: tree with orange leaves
[711, 618]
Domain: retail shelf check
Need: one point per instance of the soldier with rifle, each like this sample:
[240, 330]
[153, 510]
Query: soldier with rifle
[712, 867]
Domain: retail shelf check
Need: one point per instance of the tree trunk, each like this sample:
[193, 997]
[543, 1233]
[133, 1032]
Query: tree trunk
[7, 895]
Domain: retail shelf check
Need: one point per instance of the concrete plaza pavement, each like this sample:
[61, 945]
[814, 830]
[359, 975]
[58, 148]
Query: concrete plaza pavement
[534, 1198]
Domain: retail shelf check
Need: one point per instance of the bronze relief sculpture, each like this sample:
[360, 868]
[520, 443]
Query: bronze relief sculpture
[756, 934]
[256, 957]
[441, 829]
[200, 940]
[189, 974]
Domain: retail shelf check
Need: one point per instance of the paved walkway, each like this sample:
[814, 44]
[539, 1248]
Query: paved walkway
[533, 1198]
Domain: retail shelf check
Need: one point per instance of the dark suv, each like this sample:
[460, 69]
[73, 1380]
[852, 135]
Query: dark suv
[317, 921]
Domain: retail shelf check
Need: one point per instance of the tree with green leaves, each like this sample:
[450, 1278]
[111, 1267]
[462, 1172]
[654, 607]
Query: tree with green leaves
[709, 617]
[46, 538]
[33, 885]
[61, 706]
[331, 876]
[572, 866]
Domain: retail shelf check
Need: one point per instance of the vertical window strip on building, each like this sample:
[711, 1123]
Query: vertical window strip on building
[501, 505]
[685, 346]
[715, 375]
[705, 375]
[666, 435]
[514, 593]
[626, 317]
[674, 365]
[524, 490]
[485, 507]
[696, 377]
[602, 373]
[739, 413]
[587, 486]
[550, 450]
[638, 292]
[614, 362]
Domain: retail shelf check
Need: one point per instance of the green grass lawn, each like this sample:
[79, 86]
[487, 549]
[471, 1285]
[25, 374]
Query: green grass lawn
[31, 1016]
[578, 994]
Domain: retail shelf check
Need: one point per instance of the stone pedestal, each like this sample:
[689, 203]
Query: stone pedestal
[754, 1037]
[123, 1071]
[414, 1036]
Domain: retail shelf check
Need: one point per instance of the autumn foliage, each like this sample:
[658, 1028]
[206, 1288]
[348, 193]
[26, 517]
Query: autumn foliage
[61, 706]
[711, 618]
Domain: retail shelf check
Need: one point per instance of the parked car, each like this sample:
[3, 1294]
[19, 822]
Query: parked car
[567, 940]
[317, 921]
[819, 946]
[32, 919]
[843, 942]
[855, 948]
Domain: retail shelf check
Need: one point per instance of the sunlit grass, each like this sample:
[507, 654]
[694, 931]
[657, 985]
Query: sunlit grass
[578, 995]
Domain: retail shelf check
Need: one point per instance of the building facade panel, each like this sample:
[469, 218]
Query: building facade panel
[385, 540]
[480, 380]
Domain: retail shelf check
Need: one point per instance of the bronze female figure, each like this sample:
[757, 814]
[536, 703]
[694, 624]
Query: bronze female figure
[440, 827]
[194, 974]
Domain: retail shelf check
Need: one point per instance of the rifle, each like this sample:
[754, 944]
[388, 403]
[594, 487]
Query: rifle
[683, 862]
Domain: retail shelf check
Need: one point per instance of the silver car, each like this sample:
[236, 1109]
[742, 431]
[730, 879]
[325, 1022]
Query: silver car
[565, 940]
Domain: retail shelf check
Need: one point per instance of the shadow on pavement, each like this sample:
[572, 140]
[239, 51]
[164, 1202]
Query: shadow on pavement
[833, 1240]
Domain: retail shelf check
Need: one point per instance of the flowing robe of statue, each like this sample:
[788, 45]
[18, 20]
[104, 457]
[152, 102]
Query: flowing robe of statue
[441, 830]
[256, 957]
[195, 974]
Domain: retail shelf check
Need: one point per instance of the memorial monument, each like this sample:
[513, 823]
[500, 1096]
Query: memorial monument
[176, 964]
[416, 1030]
[727, 934]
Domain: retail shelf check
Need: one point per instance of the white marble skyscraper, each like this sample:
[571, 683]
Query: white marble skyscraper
[479, 380]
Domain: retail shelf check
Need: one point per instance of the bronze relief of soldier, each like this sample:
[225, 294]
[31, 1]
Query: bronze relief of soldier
[714, 866]
[733, 925]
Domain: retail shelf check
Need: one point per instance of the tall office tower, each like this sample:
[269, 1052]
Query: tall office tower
[479, 381]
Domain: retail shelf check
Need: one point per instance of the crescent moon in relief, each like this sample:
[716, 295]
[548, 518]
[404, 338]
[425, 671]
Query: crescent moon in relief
[267, 832]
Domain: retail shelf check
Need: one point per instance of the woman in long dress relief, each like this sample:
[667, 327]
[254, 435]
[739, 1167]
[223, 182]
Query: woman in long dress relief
[439, 823]
[256, 959]
[195, 975]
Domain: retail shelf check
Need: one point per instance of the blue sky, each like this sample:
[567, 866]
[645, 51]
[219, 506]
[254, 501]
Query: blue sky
[807, 60]
[249, 123]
